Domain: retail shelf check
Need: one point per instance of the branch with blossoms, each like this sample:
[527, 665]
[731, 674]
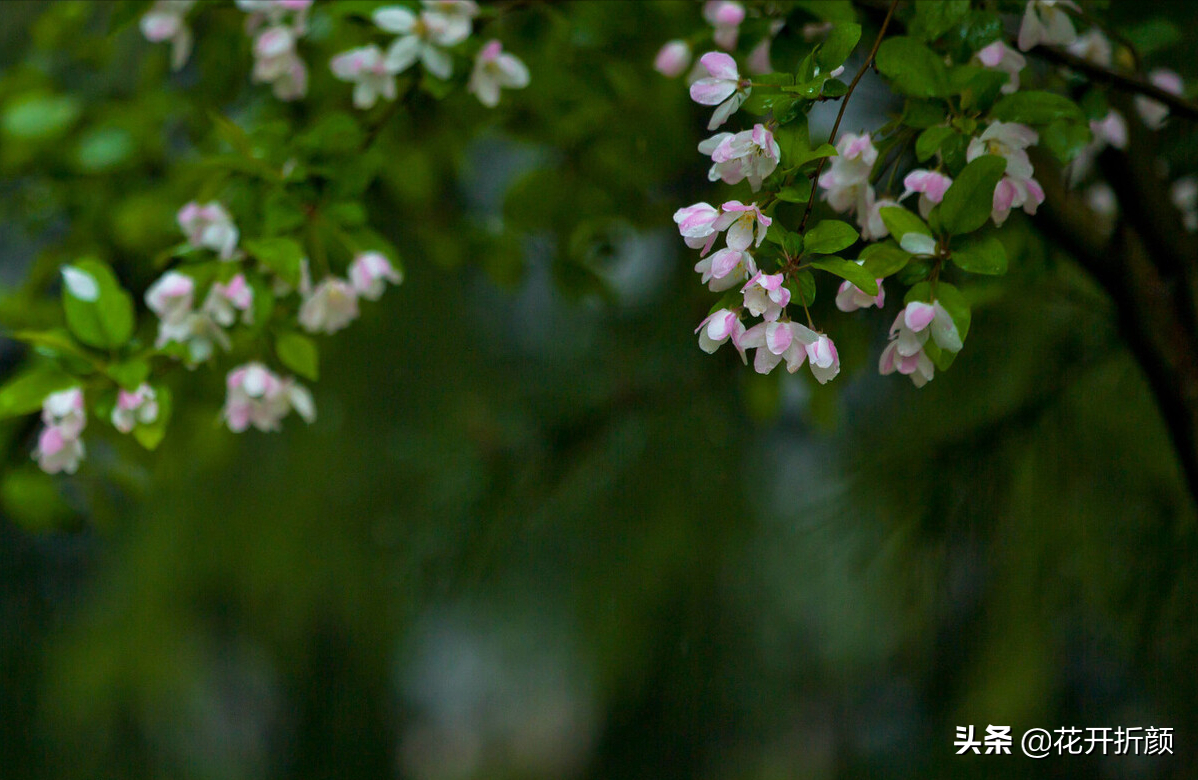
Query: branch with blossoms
[284, 256]
[959, 145]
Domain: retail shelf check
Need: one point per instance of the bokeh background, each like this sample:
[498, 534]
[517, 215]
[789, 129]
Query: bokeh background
[535, 532]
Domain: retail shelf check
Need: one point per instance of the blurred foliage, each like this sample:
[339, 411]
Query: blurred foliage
[536, 532]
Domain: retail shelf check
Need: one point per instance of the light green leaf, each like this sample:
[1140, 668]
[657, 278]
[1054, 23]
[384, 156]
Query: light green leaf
[25, 393]
[828, 236]
[299, 353]
[900, 222]
[929, 141]
[281, 255]
[883, 260]
[99, 311]
[849, 270]
[839, 44]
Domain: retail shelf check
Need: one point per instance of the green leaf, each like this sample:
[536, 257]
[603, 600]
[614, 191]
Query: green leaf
[883, 260]
[912, 68]
[837, 47]
[969, 201]
[281, 255]
[1066, 139]
[849, 270]
[99, 311]
[985, 256]
[33, 500]
[299, 353]
[793, 140]
[129, 374]
[929, 141]
[828, 236]
[799, 192]
[956, 305]
[923, 113]
[150, 436]
[25, 393]
[823, 150]
[900, 222]
[802, 287]
[978, 87]
[834, 88]
[933, 18]
[1034, 107]
[38, 116]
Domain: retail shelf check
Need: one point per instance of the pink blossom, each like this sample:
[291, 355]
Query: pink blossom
[1008, 140]
[850, 298]
[1153, 112]
[869, 215]
[696, 224]
[171, 298]
[137, 408]
[723, 88]
[59, 448]
[450, 20]
[1012, 193]
[749, 154]
[718, 327]
[1093, 46]
[165, 21]
[1111, 129]
[369, 274]
[908, 335]
[495, 69]
[726, 268]
[331, 306]
[1000, 56]
[65, 410]
[931, 186]
[823, 358]
[673, 58]
[726, 17]
[739, 220]
[778, 341]
[1044, 22]
[257, 397]
[367, 69]
[846, 177]
[224, 301]
[209, 226]
[765, 296]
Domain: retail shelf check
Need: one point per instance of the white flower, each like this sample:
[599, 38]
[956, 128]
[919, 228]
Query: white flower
[419, 39]
[165, 22]
[257, 397]
[765, 296]
[749, 154]
[59, 448]
[909, 334]
[331, 306]
[846, 179]
[136, 408]
[367, 68]
[224, 301]
[170, 298]
[718, 327]
[65, 411]
[1000, 56]
[277, 63]
[209, 226]
[452, 19]
[722, 88]
[726, 268]
[493, 69]
[369, 274]
[1153, 112]
[1044, 22]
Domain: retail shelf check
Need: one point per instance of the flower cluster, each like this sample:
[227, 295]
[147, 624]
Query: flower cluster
[427, 37]
[276, 59]
[59, 446]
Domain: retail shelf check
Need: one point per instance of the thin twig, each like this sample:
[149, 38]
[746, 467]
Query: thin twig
[1176, 103]
[844, 104]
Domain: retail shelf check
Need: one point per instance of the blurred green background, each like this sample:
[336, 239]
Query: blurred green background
[535, 532]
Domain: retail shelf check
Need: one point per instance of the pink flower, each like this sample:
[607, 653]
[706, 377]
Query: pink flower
[165, 22]
[823, 358]
[1044, 22]
[765, 296]
[739, 220]
[1111, 129]
[909, 334]
[369, 274]
[1012, 193]
[723, 88]
[209, 226]
[494, 69]
[136, 408]
[673, 58]
[718, 327]
[59, 448]
[1092, 46]
[726, 268]
[259, 398]
[1154, 112]
[277, 63]
[170, 298]
[368, 70]
[331, 306]
[225, 300]
[749, 154]
[846, 178]
[1000, 56]
[850, 298]
[726, 17]
[778, 341]
[930, 185]
[1008, 140]
[869, 215]
[696, 224]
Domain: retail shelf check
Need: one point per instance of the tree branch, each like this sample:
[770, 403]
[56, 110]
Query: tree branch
[1177, 104]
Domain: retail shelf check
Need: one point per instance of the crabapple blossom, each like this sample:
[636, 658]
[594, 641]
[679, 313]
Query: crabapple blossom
[1008, 140]
[1111, 129]
[850, 297]
[137, 408]
[224, 301]
[331, 306]
[1100, 197]
[726, 268]
[725, 16]
[1045, 22]
[749, 154]
[495, 69]
[420, 39]
[277, 63]
[869, 215]
[275, 11]
[209, 226]
[1092, 45]
[453, 19]
[823, 358]
[847, 177]
[931, 186]
[765, 296]
[1154, 112]
[696, 224]
[1000, 56]
[1012, 193]
[165, 21]
[258, 397]
[776, 342]
[673, 58]
[722, 88]
[369, 274]
[739, 220]
[367, 68]
[908, 335]
[718, 327]
[170, 298]
[59, 448]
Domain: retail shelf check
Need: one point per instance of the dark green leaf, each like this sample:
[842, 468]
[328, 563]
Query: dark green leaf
[883, 260]
[299, 353]
[929, 141]
[849, 270]
[969, 201]
[839, 44]
[1034, 107]
[913, 68]
[986, 256]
